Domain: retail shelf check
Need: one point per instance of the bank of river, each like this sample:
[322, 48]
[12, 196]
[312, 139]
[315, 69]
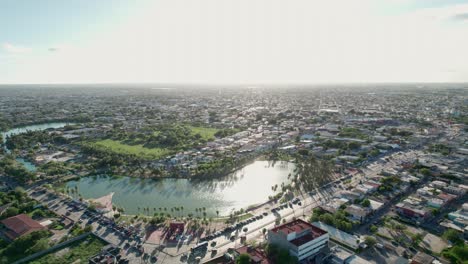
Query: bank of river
[28, 165]
[247, 186]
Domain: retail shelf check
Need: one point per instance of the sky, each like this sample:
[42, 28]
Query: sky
[233, 41]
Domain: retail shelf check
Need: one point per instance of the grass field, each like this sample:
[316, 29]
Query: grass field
[139, 150]
[78, 252]
[207, 133]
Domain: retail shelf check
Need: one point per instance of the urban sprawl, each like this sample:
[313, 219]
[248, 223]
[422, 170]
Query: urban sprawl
[379, 173]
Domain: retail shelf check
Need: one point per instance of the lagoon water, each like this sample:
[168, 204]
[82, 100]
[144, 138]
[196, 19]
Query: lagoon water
[28, 165]
[248, 186]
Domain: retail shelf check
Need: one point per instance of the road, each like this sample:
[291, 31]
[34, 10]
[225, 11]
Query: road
[254, 229]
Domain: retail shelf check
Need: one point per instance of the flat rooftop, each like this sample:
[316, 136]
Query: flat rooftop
[298, 226]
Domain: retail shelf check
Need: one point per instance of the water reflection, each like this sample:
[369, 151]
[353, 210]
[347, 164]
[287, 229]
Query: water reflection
[248, 186]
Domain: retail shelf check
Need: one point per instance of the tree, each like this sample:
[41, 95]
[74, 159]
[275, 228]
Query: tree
[453, 236]
[365, 203]
[243, 259]
[370, 241]
[425, 171]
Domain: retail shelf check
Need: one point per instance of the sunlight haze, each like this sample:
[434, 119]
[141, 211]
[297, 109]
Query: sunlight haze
[223, 41]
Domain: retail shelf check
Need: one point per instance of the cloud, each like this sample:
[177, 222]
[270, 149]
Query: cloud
[10, 48]
[460, 17]
[457, 12]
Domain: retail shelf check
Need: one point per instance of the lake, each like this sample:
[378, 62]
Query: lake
[28, 165]
[248, 186]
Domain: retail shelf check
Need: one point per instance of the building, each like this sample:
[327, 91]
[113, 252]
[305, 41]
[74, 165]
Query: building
[339, 236]
[357, 213]
[422, 258]
[20, 225]
[417, 214]
[339, 255]
[257, 256]
[302, 239]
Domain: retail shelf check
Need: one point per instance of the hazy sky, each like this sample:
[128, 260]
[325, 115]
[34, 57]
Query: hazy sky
[233, 41]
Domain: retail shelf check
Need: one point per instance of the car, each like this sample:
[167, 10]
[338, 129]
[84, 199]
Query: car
[265, 213]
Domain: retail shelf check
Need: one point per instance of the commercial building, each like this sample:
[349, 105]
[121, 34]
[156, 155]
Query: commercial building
[300, 238]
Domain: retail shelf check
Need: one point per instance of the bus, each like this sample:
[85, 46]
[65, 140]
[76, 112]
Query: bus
[200, 247]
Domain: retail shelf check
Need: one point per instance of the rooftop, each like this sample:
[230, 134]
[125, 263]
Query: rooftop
[256, 255]
[20, 225]
[298, 226]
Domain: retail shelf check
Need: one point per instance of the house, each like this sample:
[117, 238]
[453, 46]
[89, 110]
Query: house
[357, 213]
[422, 258]
[350, 195]
[435, 203]
[333, 205]
[300, 238]
[455, 190]
[375, 205]
[412, 212]
[339, 255]
[20, 225]
[439, 184]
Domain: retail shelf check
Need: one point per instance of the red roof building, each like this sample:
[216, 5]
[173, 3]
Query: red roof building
[300, 238]
[20, 225]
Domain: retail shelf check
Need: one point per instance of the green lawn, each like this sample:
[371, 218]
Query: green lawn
[80, 250]
[207, 133]
[139, 150]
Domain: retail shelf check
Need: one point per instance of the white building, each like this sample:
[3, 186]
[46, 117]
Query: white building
[302, 239]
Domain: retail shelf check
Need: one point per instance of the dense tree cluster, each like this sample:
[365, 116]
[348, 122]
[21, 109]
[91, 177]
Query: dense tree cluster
[338, 220]
[18, 202]
[352, 132]
[32, 139]
[25, 245]
[16, 170]
[226, 132]
[279, 255]
[174, 136]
